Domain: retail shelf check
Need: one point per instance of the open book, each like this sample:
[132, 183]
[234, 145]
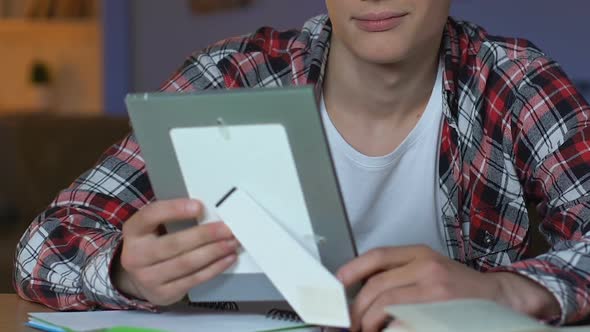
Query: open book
[466, 316]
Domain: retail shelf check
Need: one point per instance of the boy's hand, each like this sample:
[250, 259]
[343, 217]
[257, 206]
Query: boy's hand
[417, 274]
[163, 268]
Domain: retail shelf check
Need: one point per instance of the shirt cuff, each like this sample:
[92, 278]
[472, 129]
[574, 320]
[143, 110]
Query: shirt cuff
[98, 287]
[560, 290]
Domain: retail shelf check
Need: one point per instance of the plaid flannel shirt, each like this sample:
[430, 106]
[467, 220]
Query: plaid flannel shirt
[513, 135]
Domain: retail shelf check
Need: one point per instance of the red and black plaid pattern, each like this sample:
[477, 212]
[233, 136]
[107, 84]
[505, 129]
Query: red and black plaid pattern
[513, 135]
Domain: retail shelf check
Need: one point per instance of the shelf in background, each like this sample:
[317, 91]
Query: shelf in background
[71, 49]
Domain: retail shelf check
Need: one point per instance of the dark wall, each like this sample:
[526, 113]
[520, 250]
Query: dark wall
[163, 33]
[560, 28]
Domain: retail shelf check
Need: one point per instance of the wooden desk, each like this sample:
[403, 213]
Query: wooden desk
[13, 313]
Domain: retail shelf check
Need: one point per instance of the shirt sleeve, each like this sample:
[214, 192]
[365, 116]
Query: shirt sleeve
[551, 142]
[63, 260]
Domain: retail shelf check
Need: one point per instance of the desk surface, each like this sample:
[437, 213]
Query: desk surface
[13, 313]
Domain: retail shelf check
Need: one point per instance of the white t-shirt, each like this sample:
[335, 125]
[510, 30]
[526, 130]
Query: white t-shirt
[392, 200]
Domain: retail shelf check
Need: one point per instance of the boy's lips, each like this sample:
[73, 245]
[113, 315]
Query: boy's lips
[378, 22]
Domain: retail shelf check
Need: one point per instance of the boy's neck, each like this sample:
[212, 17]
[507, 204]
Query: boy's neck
[373, 106]
[379, 91]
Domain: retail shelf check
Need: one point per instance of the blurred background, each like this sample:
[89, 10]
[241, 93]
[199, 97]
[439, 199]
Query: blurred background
[66, 66]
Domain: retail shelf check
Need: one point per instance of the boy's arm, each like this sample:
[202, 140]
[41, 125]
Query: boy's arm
[551, 142]
[63, 259]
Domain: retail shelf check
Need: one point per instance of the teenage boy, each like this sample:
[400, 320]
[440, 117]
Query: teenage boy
[441, 134]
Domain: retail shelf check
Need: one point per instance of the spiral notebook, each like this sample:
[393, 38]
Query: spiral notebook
[206, 317]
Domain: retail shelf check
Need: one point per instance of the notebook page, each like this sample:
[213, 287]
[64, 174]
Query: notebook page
[177, 321]
[462, 316]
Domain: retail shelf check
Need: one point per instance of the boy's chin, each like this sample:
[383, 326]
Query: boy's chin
[381, 57]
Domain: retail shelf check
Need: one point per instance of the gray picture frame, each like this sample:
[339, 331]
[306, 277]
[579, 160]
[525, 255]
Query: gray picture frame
[153, 115]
